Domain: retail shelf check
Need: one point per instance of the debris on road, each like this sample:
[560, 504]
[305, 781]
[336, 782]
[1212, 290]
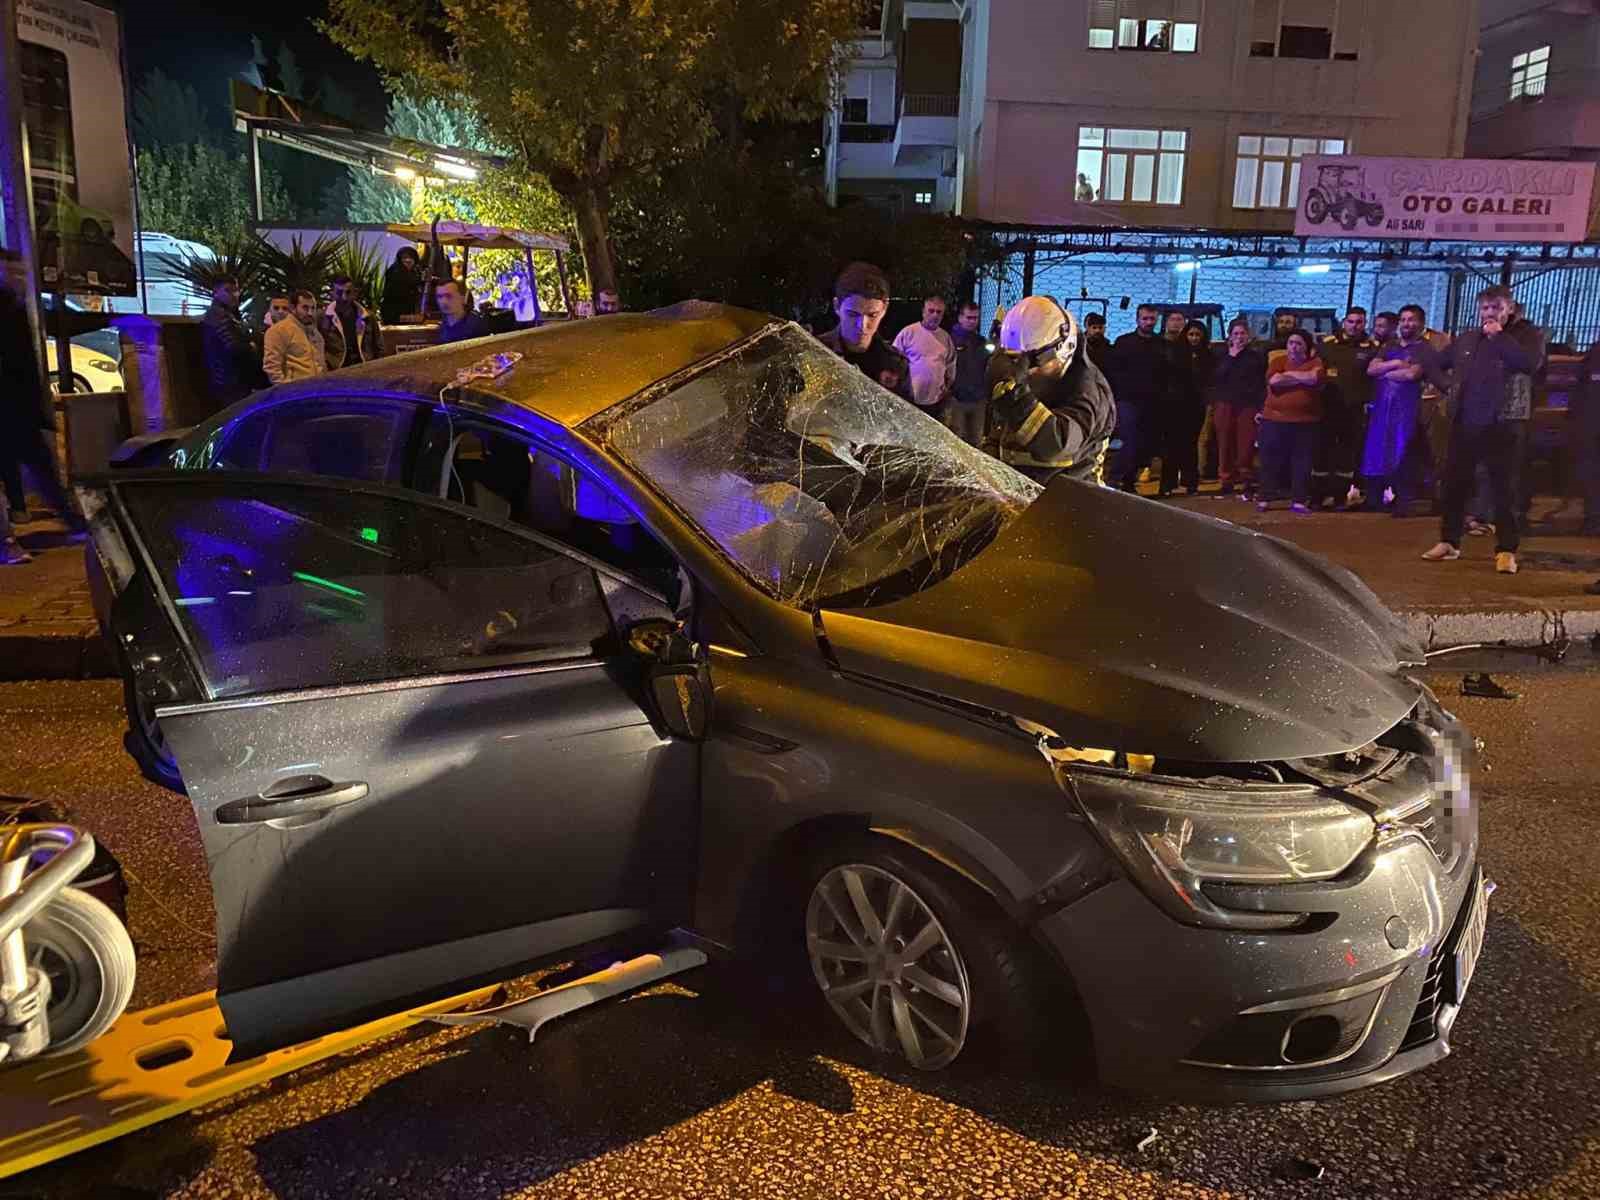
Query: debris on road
[1481, 683]
[1148, 1140]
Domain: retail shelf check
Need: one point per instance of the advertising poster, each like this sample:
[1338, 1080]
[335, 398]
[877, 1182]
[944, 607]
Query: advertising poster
[1462, 199]
[73, 102]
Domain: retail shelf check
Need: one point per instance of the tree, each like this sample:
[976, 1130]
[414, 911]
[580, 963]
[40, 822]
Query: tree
[334, 100]
[591, 94]
[168, 113]
[290, 79]
[201, 193]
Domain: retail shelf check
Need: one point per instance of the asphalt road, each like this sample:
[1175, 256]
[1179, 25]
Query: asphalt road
[701, 1089]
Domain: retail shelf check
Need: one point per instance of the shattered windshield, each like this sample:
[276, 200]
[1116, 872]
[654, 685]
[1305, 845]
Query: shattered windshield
[822, 486]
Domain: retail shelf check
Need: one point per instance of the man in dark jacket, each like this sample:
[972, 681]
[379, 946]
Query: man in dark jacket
[860, 301]
[1050, 408]
[233, 359]
[402, 287]
[1095, 342]
[1140, 364]
[349, 331]
[969, 392]
[27, 422]
[458, 321]
[1347, 355]
[1490, 403]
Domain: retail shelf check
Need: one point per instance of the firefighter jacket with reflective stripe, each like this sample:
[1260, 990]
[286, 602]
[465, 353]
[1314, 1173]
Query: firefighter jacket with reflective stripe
[1065, 425]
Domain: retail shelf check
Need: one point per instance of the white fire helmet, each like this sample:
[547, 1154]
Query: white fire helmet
[1037, 323]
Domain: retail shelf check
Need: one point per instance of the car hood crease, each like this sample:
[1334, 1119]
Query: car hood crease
[1128, 625]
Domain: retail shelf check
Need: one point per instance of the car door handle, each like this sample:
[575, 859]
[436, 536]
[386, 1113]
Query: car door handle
[299, 796]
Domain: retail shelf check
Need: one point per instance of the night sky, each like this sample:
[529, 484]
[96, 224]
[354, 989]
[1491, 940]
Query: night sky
[206, 43]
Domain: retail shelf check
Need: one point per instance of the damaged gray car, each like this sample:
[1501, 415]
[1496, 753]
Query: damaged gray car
[484, 656]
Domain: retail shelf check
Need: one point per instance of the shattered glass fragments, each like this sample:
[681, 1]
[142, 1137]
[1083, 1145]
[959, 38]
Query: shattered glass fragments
[818, 484]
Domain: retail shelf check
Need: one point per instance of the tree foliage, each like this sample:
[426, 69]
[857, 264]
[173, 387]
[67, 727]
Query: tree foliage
[590, 94]
[169, 113]
[510, 197]
[202, 193]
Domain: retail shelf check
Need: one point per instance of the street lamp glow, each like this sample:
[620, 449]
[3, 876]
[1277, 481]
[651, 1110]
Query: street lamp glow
[1190, 265]
[1315, 269]
[455, 170]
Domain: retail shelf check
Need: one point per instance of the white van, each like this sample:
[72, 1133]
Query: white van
[164, 290]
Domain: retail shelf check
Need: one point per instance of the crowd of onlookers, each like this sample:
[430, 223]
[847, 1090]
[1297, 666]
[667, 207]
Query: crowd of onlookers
[1371, 418]
[303, 334]
[1385, 417]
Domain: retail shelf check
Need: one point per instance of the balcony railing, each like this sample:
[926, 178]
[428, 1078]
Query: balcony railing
[924, 104]
[866, 133]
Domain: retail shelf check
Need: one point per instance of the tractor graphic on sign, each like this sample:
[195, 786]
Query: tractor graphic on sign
[1341, 192]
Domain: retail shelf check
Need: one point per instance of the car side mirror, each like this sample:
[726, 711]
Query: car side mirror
[678, 677]
[682, 692]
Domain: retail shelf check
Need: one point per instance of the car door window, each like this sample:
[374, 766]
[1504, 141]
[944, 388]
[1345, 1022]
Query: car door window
[283, 586]
[512, 478]
[343, 436]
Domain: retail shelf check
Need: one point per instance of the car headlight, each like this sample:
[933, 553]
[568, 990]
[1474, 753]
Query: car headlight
[1175, 838]
[103, 364]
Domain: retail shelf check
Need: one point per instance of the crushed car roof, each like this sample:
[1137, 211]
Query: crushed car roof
[569, 371]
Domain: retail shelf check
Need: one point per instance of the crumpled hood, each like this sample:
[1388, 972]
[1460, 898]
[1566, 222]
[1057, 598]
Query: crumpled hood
[1128, 625]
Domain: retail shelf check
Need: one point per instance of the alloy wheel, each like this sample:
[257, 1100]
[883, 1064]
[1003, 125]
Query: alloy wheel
[887, 966]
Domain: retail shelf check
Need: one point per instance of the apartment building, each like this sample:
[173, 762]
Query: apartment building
[1155, 113]
[891, 138]
[1537, 91]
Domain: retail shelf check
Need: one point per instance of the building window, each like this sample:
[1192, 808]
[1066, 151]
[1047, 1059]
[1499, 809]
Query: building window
[1528, 73]
[855, 110]
[1267, 171]
[923, 198]
[1170, 25]
[1130, 166]
[1301, 29]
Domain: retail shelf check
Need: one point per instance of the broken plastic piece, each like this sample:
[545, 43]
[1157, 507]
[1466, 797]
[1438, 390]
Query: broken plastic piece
[490, 366]
[1304, 1168]
[1055, 750]
[1481, 683]
[1148, 1140]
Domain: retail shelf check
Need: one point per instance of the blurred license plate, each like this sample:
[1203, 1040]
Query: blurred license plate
[1471, 943]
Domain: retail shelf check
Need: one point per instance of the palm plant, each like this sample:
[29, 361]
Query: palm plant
[238, 260]
[282, 272]
[365, 267]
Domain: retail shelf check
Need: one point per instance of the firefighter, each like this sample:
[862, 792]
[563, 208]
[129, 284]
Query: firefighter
[1050, 408]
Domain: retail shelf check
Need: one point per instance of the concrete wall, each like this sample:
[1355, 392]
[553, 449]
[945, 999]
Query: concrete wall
[1405, 93]
[1562, 123]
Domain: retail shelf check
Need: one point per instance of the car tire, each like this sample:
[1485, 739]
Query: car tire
[88, 956]
[144, 742]
[976, 981]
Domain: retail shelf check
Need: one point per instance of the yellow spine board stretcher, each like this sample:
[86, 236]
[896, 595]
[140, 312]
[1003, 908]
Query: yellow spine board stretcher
[149, 1066]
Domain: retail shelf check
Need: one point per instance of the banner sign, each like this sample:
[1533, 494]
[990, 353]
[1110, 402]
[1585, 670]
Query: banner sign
[78, 160]
[1462, 199]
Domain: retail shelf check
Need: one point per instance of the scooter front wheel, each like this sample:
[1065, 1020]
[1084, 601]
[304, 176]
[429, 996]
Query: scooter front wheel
[87, 955]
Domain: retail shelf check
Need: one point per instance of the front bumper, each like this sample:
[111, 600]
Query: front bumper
[1209, 1013]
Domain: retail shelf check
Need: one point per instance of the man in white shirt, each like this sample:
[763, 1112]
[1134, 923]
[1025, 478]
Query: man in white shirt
[933, 357]
[293, 348]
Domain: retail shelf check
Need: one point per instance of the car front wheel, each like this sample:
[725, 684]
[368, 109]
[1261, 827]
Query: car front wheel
[911, 958]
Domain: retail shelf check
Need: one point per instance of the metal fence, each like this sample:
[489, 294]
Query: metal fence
[1564, 300]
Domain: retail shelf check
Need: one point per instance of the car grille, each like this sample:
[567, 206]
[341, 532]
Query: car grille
[1424, 1025]
[1433, 823]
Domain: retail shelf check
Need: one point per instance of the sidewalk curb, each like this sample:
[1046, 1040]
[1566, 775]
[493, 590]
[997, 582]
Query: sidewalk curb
[1538, 627]
[58, 654]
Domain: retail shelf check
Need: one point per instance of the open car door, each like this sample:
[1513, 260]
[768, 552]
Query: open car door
[418, 747]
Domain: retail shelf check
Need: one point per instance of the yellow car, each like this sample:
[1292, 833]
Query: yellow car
[91, 370]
